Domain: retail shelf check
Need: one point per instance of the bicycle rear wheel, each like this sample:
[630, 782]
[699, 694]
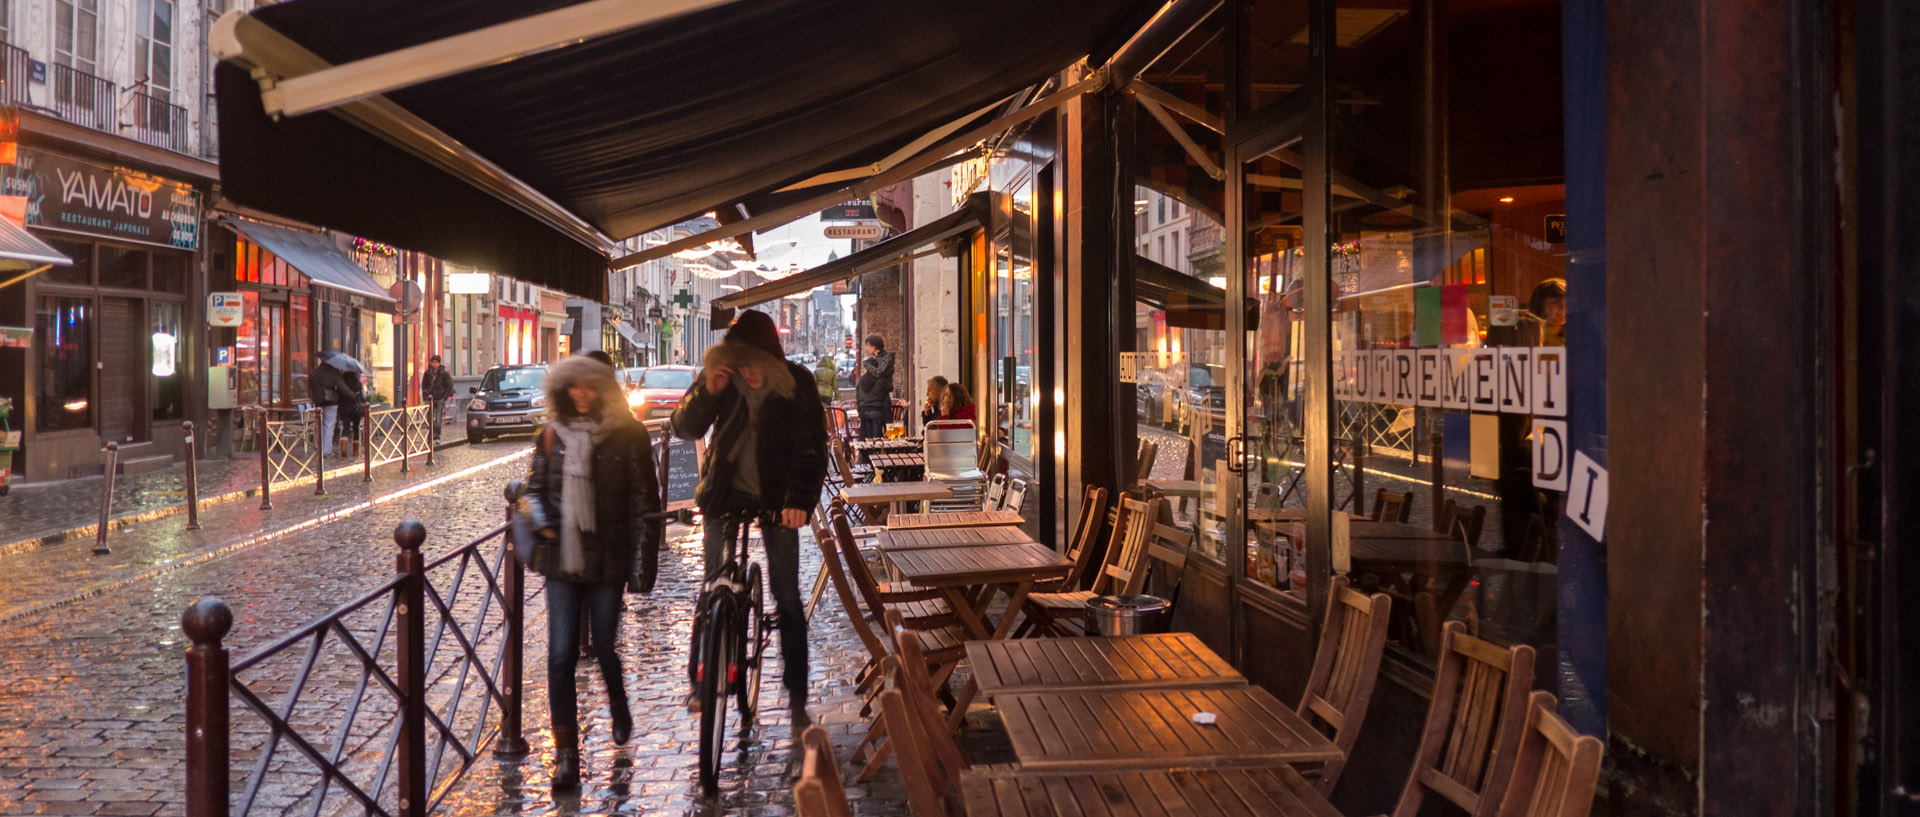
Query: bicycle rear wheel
[718, 653]
[754, 649]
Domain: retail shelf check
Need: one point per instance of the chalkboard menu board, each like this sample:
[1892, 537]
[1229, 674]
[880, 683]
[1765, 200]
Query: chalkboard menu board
[683, 472]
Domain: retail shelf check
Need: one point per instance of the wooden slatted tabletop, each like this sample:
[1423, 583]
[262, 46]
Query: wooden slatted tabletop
[1153, 728]
[1159, 661]
[975, 566]
[1245, 792]
[871, 493]
[920, 539]
[953, 519]
[906, 459]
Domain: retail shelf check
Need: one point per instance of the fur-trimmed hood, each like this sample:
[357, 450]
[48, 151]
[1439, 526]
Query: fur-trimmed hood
[737, 356]
[586, 370]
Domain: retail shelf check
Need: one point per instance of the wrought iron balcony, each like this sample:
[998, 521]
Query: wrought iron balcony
[16, 69]
[155, 121]
[81, 98]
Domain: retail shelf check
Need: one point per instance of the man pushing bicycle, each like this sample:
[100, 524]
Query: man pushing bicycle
[767, 458]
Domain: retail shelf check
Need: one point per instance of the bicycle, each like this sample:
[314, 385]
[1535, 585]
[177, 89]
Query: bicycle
[730, 628]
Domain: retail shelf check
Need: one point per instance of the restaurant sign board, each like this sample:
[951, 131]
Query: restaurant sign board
[856, 210]
[119, 203]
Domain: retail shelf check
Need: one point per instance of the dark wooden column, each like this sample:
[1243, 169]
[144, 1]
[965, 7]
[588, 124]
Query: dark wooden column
[1717, 272]
[1095, 232]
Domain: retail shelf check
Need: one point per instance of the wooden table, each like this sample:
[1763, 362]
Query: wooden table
[899, 466]
[894, 493]
[923, 538]
[961, 575]
[863, 449]
[954, 519]
[1160, 661]
[1183, 792]
[1153, 728]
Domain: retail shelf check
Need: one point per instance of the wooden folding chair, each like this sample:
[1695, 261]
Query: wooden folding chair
[1093, 516]
[942, 649]
[1120, 573]
[930, 731]
[1345, 668]
[923, 608]
[1556, 770]
[1389, 507]
[819, 793]
[1473, 726]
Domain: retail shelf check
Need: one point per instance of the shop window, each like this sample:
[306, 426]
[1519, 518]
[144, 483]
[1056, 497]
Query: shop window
[123, 267]
[167, 361]
[64, 382]
[170, 272]
[80, 273]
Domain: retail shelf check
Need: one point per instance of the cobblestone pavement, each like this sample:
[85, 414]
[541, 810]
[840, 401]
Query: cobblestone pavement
[45, 577]
[35, 512]
[91, 684]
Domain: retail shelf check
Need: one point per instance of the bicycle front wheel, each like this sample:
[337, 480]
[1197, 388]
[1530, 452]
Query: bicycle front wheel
[717, 662]
[755, 648]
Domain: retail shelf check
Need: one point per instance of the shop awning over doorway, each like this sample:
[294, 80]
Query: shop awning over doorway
[627, 331]
[316, 256]
[20, 249]
[970, 216]
[388, 123]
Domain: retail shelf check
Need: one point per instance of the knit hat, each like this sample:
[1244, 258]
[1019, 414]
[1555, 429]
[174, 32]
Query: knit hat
[756, 328]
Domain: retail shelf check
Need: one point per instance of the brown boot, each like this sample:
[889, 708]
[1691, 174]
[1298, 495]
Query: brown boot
[566, 757]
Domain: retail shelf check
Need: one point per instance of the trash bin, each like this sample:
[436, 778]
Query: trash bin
[1128, 615]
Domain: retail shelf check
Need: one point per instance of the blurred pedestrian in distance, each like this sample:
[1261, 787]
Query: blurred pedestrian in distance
[592, 471]
[957, 404]
[873, 392]
[353, 407]
[936, 391]
[826, 376]
[326, 386]
[436, 384]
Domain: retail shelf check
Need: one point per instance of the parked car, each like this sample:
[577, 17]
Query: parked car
[1203, 394]
[629, 377]
[509, 400]
[658, 390]
[1149, 397]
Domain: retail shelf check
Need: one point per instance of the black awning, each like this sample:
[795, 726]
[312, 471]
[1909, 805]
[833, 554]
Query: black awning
[877, 257]
[1189, 302]
[639, 129]
[316, 256]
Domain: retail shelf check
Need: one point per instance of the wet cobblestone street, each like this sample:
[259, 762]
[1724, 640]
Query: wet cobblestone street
[91, 655]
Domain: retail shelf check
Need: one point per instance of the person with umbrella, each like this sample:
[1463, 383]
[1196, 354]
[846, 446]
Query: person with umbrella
[328, 388]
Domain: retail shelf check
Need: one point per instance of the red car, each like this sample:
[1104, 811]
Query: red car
[658, 390]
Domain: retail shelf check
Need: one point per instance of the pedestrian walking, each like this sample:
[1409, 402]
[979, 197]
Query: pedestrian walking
[436, 384]
[353, 407]
[326, 386]
[826, 375]
[593, 472]
[874, 391]
[768, 458]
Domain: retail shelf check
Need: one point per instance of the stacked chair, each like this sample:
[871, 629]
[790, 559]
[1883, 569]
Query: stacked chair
[953, 450]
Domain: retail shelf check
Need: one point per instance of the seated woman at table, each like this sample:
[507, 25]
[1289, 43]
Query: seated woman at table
[957, 404]
[930, 410]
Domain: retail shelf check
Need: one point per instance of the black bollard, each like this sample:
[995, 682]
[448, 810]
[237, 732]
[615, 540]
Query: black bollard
[193, 482]
[266, 475]
[206, 623]
[106, 499]
[513, 578]
[410, 654]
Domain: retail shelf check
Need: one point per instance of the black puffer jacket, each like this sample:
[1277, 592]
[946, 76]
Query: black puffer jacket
[792, 451]
[625, 488]
[873, 392]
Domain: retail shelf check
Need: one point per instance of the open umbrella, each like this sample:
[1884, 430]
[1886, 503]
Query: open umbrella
[342, 362]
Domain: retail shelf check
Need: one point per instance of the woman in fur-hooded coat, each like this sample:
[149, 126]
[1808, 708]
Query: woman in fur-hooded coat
[593, 480]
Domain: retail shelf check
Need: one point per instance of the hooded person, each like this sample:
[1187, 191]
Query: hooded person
[826, 377]
[767, 459]
[873, 392]
[593, 478]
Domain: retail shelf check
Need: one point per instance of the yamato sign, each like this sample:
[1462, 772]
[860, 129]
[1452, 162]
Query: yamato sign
[64, 193]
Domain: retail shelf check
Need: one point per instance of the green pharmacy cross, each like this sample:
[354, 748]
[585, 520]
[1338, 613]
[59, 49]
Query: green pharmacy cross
[683, 300]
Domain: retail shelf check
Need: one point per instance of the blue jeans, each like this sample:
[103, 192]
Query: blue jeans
[783, 573]
[602, 602]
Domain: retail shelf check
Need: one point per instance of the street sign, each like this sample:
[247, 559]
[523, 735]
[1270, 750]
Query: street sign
[868, 231]
[406, 296]
[225, 309]
[849, 341]
[856, 210]
[655, 313]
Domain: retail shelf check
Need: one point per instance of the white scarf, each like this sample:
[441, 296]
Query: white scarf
[580, 435]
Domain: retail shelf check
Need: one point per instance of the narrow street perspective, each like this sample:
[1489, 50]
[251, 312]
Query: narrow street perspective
[959, 408]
